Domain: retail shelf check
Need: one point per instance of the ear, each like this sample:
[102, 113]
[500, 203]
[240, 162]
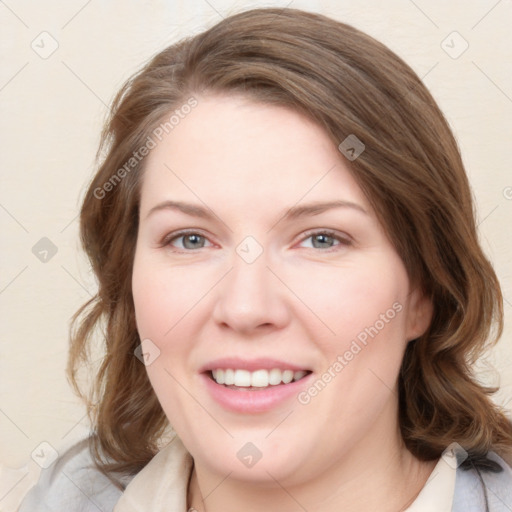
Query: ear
[420, 313]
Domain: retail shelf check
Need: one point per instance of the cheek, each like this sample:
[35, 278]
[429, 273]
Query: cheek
[163, 296]
[350, 300]
[169, 312]
[366, 308]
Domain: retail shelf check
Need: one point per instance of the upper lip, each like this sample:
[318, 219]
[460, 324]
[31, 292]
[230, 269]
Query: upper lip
[251, 365]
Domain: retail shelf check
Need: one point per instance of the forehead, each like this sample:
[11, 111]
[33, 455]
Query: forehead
[233, 150]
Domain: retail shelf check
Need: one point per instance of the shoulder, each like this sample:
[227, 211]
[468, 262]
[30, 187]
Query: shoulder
[484, 488]
[74, 483]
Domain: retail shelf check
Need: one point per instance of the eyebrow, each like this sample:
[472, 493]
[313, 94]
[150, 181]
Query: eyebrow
[292, 213]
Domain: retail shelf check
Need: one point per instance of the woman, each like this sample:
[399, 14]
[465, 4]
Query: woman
[291, 289]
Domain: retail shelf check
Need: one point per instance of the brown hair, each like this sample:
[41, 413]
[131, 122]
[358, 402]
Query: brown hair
[411, 171]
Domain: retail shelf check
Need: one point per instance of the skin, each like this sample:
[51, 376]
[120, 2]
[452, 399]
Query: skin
[303, 300]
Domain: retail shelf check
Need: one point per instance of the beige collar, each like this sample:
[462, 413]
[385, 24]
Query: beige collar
[437, 493]
[163, 484]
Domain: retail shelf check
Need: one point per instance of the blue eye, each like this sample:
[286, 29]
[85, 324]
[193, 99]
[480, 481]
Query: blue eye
[326, 239]
[191, 240]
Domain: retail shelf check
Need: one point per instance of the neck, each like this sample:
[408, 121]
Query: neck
[378, 473]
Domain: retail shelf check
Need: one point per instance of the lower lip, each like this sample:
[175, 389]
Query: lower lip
[254, 401]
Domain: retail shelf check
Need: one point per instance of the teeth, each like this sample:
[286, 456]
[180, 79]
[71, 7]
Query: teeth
[220, 376]
[274, 377]
[257, 379]
[287, 376]
[229, 377]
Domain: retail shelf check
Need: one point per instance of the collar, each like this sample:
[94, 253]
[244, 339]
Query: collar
[437, 493]
[149, 491]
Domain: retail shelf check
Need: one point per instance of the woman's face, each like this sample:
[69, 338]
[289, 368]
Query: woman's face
[273, 281]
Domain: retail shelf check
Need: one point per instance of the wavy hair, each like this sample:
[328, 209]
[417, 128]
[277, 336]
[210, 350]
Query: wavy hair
[411, 171]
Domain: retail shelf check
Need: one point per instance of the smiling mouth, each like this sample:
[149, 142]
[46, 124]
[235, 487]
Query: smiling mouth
[245, 380]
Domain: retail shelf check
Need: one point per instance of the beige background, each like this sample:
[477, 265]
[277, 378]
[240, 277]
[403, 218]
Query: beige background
[52, 110]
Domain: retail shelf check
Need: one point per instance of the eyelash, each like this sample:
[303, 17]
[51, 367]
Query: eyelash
[343, 241]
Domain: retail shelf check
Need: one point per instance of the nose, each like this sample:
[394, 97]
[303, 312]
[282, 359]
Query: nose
[251, 299]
